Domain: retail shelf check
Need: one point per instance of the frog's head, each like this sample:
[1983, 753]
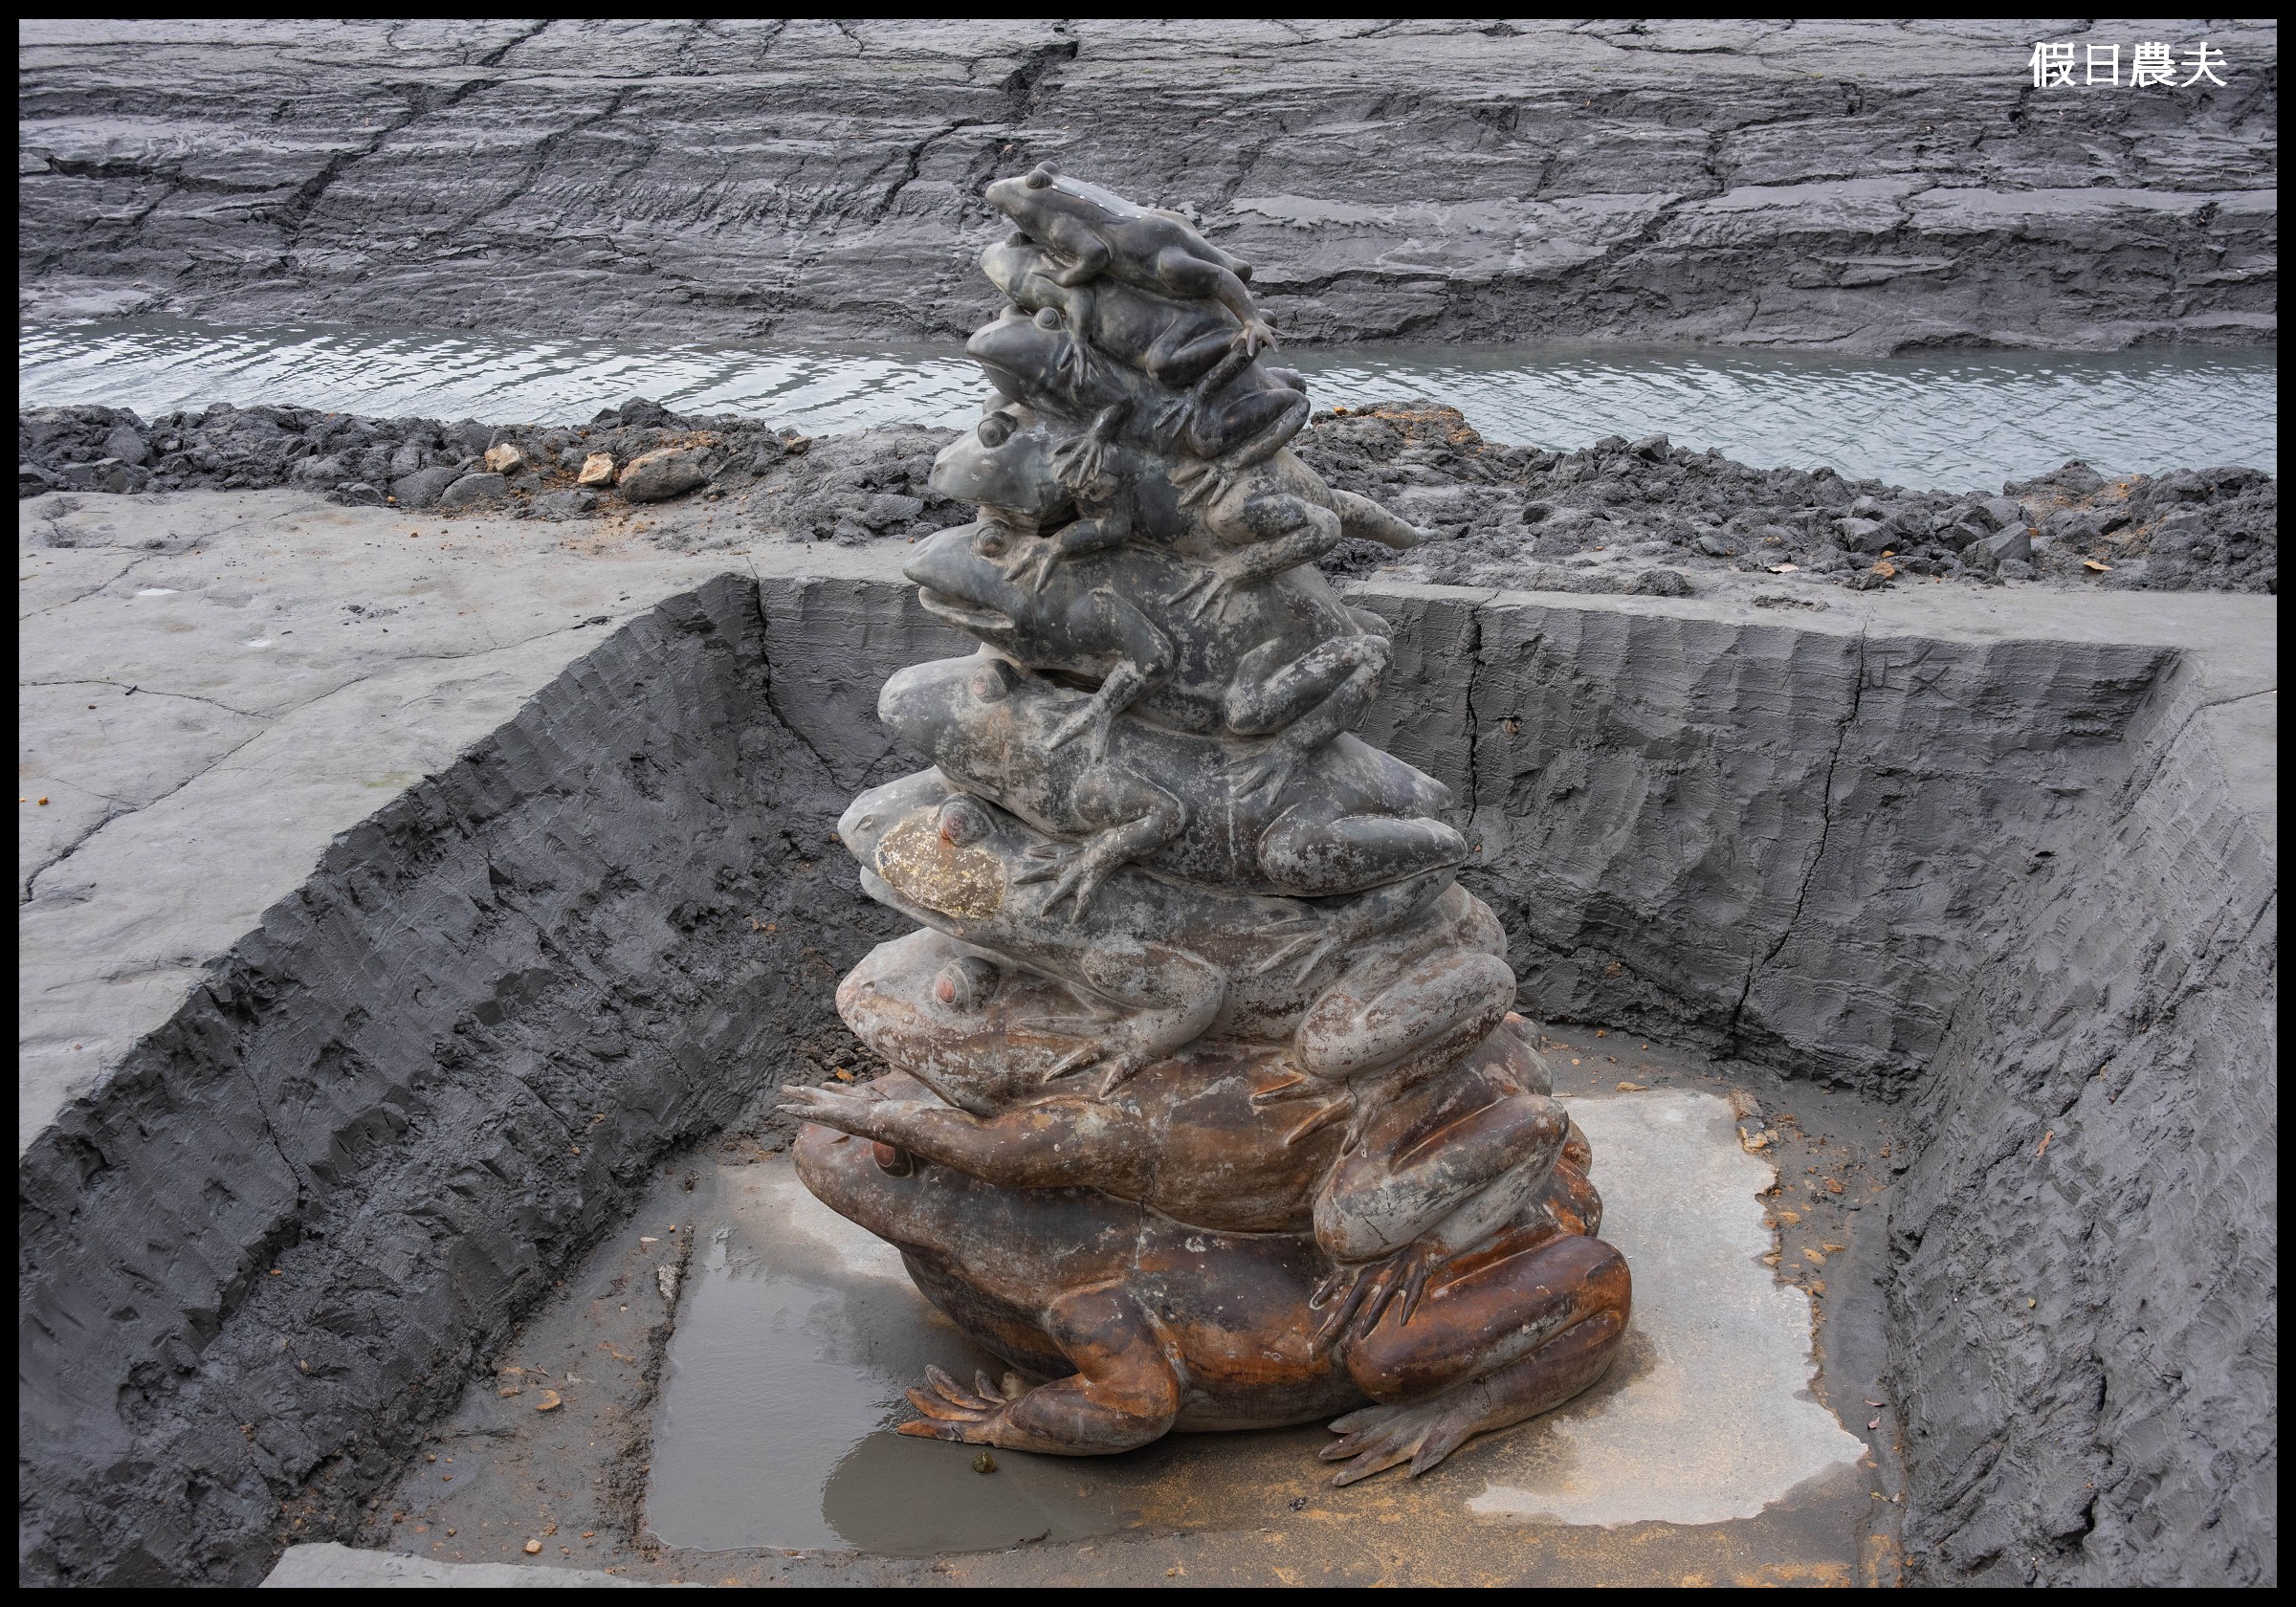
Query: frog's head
[1011, 263]
[1034, 358]
[956, 708]
[1004, 464]
[1025, 197]
[960, 580]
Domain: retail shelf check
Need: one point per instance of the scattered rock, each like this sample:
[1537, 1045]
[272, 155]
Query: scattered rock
[1862, 535]
[1660, 582]
[565, 504]
[423, 488]
[473, 491]
[356, 494]
[597, 469]
[659, 476]
[2015, 543]
[504, 459]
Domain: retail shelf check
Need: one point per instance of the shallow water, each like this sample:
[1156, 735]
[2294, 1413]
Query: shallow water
[1952, 421]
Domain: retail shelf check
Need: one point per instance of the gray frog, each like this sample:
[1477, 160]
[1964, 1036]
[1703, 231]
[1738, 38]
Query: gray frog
[1098, 232]
[1371, 986]
[1232, 403]
[1284, 660]
[1349, 819]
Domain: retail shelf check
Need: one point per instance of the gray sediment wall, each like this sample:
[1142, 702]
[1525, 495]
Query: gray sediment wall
[2013, 868]
[1862, 187]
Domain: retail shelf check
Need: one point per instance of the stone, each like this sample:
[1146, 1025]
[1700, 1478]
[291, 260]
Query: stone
[1662, 583]
[1862, 535]
[356, 494]
[566, 504]
[2013, 544]
[2001, 511]
[659, 476]
[1154, 873]
[1715, 546]
[2074, 526]
[125, 444]
[106, 473]
[317, 471]
[423, 488]
[504, 459]
[597, 469]
[2178, 793]
[888, 509]
[473, 491]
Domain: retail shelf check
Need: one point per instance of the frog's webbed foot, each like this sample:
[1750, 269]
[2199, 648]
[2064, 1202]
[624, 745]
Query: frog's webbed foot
[1074, 874]
[1095, 719]
[1031, 564]
[952, 1411]
[1256, 336]
[1377, 1437]
[1311, 948]
[1205, 590]
[860, 1111]
[1268, 770]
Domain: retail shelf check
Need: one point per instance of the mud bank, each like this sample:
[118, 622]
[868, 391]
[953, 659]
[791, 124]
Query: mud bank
[1856, 187]
[1643, 517]
[1958, 851]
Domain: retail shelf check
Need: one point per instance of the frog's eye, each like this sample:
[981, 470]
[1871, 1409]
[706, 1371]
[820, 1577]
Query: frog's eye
[1040, 176]
[992, 541]
[963, 823]
[967, 985]
[993, 683]
[1048, 317]
[994, 431]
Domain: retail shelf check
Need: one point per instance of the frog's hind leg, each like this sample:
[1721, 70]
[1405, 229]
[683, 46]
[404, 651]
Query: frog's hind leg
[1363, 519]
[1123, 1393]
[1506, 1339]
[1250, 430]
[1313, 858]
[1309, 701]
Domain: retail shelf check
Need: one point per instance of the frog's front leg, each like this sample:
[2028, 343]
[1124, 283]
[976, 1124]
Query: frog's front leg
[1079, 872]
[1086, 252]
[1171, 997]
[1362, 520]
[1145, 656]
[1123, 1395]
[1051, 1143]
[1183, 273]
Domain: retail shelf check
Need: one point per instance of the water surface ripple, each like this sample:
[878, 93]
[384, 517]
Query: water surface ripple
[1950, 420]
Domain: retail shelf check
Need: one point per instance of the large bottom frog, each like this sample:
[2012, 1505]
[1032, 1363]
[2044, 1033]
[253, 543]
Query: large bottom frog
[1141, 1325]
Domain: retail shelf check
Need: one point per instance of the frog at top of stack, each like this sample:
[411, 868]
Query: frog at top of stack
[1210, 1108]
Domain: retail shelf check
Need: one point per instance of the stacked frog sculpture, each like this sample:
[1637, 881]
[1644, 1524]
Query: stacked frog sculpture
[1209, 1107]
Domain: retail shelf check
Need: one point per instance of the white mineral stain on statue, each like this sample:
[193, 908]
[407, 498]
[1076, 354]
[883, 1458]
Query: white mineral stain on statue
[1210, 1110]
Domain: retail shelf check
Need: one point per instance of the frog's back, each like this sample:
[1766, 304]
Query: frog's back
[1107, 202]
